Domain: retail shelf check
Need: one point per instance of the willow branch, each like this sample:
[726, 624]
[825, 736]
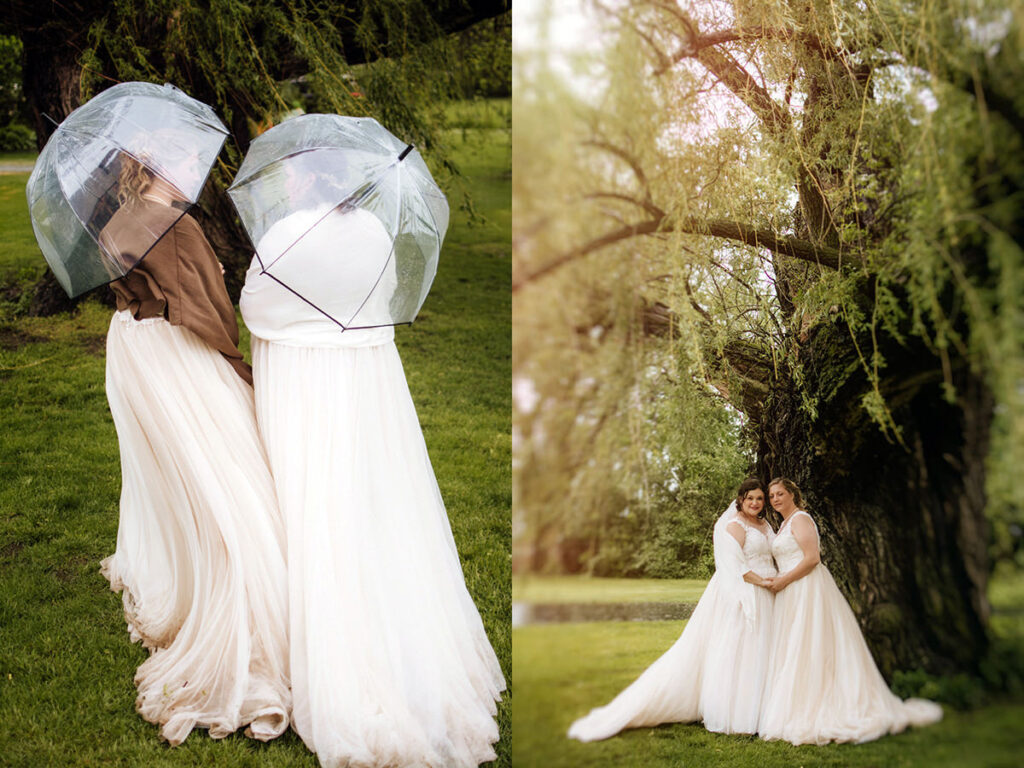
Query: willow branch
[631, 161]
[647, 205]
[693, 302]
[624, 233]
[775, 118]
[734, 77]
[739, 34]
[785, 245]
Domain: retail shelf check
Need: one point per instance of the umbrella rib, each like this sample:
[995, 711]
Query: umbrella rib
[299, 295]
[67, 197]
[143, 256]
[376, 282]
[238, 183]
[311, 227]
[391, 255]
[382, 325]
[435, 229]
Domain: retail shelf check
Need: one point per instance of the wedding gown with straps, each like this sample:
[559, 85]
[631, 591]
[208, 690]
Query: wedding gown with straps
[390, 662]
[715, 671]
[822, 682]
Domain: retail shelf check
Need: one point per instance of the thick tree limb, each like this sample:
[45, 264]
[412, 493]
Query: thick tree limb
[747, 89]
[785, 245]
[775, 118]
[794, 247]
[624, 233]
[730, 73]
[738, 34]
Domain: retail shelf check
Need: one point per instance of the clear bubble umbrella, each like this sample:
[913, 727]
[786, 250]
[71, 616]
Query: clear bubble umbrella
[96, 161]
[344, 215]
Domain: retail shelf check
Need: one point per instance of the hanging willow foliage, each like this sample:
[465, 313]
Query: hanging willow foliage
[253, 62]
[240, 55]
[810, 207]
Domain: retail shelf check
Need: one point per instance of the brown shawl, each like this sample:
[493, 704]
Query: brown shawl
[180, 278]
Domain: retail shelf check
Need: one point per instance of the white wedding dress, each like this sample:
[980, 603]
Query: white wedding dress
[823, 684]
[715, 671]
[200, 542]
[389, 659]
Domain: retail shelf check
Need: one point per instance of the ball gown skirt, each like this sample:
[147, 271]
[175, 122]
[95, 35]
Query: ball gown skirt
[390, 662]
[200, 542]
[715, 671]
[823, 684]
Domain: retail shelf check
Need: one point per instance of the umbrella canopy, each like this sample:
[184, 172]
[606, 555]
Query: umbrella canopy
[131, 140]
[344, 215]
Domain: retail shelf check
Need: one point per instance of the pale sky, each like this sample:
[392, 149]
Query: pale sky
[565, 31]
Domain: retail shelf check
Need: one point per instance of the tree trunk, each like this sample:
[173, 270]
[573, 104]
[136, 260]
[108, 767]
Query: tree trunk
[903, 527]
[51, 75]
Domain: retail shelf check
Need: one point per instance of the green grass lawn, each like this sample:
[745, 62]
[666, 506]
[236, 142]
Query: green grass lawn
[564, 670]
[585, 589]
[480, 114]
[18, 251]
[66, 664]
[18, 157]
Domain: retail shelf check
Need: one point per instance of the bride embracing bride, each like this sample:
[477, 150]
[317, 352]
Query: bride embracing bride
[794, 668]
[715, 671]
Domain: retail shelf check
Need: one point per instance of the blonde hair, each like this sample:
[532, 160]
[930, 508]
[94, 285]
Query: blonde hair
[133, 180]
[790, 486]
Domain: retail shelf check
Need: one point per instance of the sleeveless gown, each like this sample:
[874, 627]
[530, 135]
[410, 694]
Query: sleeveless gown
[823, 684]
[390, 663]
[715, 671]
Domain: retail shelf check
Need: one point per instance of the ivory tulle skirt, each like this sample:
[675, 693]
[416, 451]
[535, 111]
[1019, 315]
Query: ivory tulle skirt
[823, 684]
[714, 672]
[199, 559]
[390, 662]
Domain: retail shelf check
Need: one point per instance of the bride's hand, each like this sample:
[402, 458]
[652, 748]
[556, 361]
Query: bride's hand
[777, 584]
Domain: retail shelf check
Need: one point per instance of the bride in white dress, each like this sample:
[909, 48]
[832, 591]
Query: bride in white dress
[200, 541]
[715, 671]
[390, 664]
[823, 684]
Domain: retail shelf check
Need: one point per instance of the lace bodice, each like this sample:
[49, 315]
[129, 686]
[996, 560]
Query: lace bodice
[757, 548]
[785, 547]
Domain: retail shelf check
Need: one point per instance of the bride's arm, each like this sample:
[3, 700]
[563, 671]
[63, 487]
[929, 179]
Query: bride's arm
[737, 532]
[807, 538]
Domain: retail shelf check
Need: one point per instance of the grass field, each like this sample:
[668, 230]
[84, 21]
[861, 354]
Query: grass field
[563, 670]
[17, 157]
[583, 589]
[18, 250]
[66, 664]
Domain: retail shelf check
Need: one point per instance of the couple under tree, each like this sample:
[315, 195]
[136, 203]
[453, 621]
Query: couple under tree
[771, 648]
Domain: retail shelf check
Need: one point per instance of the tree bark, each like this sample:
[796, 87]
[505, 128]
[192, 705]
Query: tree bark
[51, 76]
[902, 525]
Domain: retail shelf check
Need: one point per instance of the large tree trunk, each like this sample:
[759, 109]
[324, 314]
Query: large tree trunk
[51, 75]
[902, 525]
